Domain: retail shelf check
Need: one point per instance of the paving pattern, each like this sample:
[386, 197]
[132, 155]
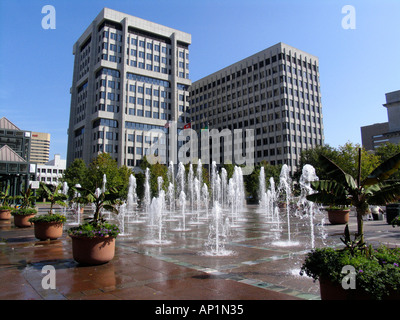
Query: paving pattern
[257, 268]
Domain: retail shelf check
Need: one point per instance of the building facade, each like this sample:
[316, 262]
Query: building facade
[374, 135]
[52, 171]
[275, 92]
[40, 147]
[393, 110]
[16, 170]
[131, 76]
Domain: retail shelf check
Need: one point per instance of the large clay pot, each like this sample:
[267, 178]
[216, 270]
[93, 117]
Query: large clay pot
[22, 221]
[5, 214]
[334, 291]
[93, 251]
[48, 230]
[338, 216]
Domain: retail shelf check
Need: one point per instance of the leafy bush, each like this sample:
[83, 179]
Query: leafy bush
[377, 271]
[24, 212]
[92, 230]
[55, 217]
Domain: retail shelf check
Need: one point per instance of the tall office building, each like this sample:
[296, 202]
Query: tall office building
[130, 76]
[40, 147]
[275, 92]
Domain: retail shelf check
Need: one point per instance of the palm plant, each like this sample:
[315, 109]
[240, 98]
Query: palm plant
[101, 200]
[27, 198]
[6, 198]
[55, 197]
[343, 189]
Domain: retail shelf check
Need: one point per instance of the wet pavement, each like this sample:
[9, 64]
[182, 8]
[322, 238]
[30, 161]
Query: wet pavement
[259, 267]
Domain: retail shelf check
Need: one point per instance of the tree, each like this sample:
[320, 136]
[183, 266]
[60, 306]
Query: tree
[342, 189]
[102, 165]
[311, 157]
[348, 159]
[76, 173]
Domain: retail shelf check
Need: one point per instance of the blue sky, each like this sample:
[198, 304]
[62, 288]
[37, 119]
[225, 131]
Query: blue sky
[357, 67]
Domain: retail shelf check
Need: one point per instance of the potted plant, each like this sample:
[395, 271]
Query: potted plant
[50, 225]
[338, 214]
[371, 268]
[371, 274]
[5, 208]
[93, 242]
[26, 209]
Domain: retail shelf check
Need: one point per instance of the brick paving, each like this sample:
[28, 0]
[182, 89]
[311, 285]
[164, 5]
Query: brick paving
[257, 269]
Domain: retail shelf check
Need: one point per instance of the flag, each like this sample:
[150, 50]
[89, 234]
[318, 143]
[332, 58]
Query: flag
[166, 125]
[187, 126]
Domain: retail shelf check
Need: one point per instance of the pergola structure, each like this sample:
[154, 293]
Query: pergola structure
[15, 169]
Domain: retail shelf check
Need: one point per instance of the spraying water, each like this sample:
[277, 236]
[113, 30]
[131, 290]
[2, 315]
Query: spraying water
[218, 233]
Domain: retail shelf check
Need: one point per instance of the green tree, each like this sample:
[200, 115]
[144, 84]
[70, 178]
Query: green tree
[348, 159]
[311, 157]
[102, 165]
[75, 174]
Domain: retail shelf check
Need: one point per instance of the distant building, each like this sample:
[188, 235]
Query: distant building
[16, 170]
[380, 133]
[52, 171]
[40, 147]
[372, 136]
[393, 110]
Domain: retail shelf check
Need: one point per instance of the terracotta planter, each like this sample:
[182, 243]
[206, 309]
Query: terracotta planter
[334, 291]
[93, 251]
[48, 230]
[5, 214]
[338, 216]
[22, 221]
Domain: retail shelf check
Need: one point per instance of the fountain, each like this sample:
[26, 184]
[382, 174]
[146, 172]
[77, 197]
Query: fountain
[262, 194]
[121, 218]
[157, 208]
[180, 178]
[222, 207]
[147, 194]
[103, 190]
[218, 234]
[182, 205]
[307, 208]
[204, 199]
[285, 187]
[132, 196]
[236, 196]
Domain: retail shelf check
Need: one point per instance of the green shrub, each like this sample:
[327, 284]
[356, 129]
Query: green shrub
[49, 218]
[24, 212]
[92, 230]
